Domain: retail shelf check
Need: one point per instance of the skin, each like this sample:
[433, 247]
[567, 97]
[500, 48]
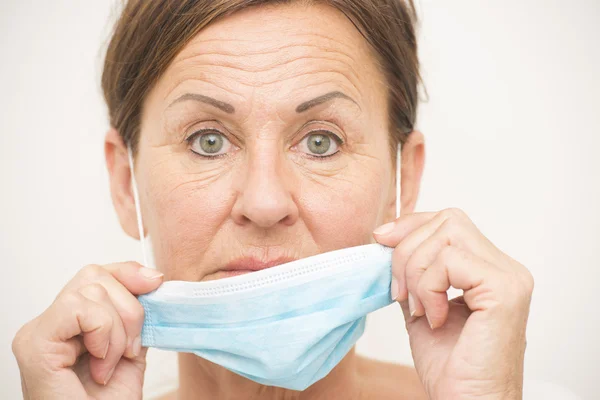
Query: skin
[269, 196]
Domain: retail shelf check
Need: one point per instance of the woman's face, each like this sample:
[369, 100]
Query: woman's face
[266, 140]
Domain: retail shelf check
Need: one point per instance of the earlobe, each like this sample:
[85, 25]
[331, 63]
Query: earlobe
[119, 174]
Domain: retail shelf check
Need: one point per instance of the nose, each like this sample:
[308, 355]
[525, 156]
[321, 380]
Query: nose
[264, 197]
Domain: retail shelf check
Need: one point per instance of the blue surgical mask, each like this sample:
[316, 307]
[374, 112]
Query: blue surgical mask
[285, 326]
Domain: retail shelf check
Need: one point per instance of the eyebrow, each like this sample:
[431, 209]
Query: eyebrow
[322, 99]
[229, 109]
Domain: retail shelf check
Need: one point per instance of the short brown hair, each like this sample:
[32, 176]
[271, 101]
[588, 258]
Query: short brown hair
[150, 33]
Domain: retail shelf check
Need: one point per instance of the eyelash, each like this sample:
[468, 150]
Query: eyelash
[201, 132]
[335, 137]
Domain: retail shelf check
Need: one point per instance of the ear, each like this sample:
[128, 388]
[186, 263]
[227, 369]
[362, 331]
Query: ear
[411, 171]
[117, 162]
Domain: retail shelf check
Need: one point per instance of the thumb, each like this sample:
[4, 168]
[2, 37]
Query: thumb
[136, 278]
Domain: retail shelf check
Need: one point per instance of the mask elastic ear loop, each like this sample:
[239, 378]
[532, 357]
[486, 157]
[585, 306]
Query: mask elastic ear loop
[398, 178]
[138, 210]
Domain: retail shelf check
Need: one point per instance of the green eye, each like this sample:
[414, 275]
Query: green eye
[320, 144]
[211, 143]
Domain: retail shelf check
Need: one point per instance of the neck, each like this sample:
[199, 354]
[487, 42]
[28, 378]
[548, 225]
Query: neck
[199, 379]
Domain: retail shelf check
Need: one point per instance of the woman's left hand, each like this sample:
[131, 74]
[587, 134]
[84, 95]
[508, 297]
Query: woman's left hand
[471, 347]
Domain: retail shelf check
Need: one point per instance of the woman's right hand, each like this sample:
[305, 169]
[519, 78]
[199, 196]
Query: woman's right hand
[87, 344]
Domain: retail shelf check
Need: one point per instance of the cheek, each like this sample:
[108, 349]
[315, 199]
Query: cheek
[343, 211]
[185, 217]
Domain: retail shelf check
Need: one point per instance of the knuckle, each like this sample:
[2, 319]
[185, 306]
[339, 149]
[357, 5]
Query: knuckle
[134, 264]
[402, 253]
[107, 320]
[448, 252]
[454, 217]
[69, 299]
[519, 290]
[118, 337]
[414, 270]
[452, 231]
[522, 279]
[456, 213]
[133, 314]
[422, 290]
[94, 291]
[125, 265]
[451, 226]
[528, 281]
[22, 337]
[103, 321]
[92, 271]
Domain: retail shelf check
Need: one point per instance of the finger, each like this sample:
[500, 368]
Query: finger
[392, 233]
[452, 228]
[73, 314]
[75, 349]
[422, 248]
[135, 278]
[455, 267]
[130, 312]
[101, 369]
[466, 235]
[432, 293]
[401, 255]
[123, 281]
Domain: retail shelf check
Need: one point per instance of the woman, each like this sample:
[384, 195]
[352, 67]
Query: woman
[266, 131]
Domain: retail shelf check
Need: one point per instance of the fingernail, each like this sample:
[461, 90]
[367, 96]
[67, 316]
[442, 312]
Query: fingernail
[150, 273]
[384, 229]
[429, 321]
[105, 350]
[394, 288]
[109, 375]
[136, 347]
[411, 305]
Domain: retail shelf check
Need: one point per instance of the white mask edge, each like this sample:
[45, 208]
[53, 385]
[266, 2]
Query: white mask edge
[138, 210]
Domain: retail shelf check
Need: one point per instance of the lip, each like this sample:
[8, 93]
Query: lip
[250, 264]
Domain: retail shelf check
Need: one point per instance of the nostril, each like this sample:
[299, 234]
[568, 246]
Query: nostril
[265, 213]
[287, 220]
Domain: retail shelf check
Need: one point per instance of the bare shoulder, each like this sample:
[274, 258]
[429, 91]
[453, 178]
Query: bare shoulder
[383, 380]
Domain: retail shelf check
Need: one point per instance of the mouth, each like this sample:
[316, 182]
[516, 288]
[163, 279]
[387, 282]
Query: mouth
[248, 265]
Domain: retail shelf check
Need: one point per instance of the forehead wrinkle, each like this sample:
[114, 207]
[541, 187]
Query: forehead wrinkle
[346, 86]
[343, 51]
[197, 77]
[220, 50]
[325, 54]
[349, 73]
[357, 95]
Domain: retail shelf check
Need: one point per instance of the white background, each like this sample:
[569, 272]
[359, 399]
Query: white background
[512, 128]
